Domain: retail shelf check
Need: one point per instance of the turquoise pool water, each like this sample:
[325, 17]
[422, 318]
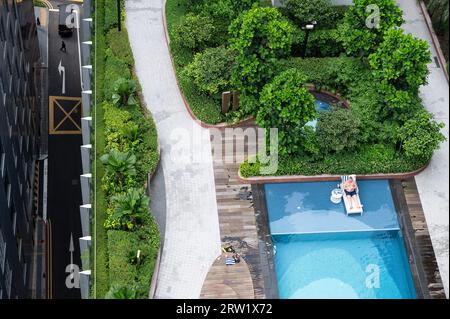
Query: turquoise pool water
[320, 252]
[321, 106]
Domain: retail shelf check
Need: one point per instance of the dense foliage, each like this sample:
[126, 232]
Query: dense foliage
[127, 152]
[420, 136]
[286, 104]
[211, 70]
[194, 32]
[304, 12]
[260, 37]
[338, 131]
[356, 51]
[366, 22]
[401, 65]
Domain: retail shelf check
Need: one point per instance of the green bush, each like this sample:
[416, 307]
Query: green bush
[401, 63]
[211, 70]
[121, 244]
[194, 32]
[286, 104]
[338, 131]
[127, 211]
[421, 135]
[304, 12]
[205, 107]
[114, 68]
[321, 43]
[121, 292]
[361, 30]
[118, 44]
[370, 159]
[120, 171]
[111, 20]
[124, 92]
[260, 36]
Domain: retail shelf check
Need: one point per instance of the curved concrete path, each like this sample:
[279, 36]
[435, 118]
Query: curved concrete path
[183, 193]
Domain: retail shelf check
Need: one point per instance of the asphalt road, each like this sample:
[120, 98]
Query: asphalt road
[64, 160]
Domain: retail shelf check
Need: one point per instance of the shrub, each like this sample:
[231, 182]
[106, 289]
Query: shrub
[338, 131]
[211, 70]
[124, 92]
[260, 36]
[121, 292]
[321, 43]
[361, 30]
[370, 159]
[111, 15]
[304, 12]
[121, 244]
[287, 105]
[115, 68]
[195, 32]
[128, 209]
[421, 135]
[120, 171]
[401, 61]
[118, 44]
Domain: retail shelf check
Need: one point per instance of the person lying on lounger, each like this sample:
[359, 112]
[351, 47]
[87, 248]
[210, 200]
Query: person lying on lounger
[350, 191]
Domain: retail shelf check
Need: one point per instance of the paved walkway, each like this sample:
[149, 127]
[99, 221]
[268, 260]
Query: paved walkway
[236, 216]
[433, 183]
[183, 192]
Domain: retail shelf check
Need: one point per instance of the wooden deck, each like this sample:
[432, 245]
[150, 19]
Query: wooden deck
[237, 228]
[228, 282]
[423, 240]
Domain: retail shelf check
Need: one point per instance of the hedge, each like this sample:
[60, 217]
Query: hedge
[376, 158]
[123, 246]
[114, 60]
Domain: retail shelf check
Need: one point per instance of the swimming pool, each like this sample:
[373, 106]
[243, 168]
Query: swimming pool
[321, 106]
[320, 252]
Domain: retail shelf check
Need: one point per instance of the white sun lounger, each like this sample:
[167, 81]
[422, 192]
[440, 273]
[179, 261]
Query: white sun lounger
[353, 210]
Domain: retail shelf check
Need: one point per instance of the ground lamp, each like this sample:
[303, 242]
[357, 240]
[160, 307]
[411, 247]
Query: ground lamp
[308, 28]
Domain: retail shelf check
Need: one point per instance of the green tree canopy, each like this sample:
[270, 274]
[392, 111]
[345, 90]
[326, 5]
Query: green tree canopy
[211, 70]
[260, 37]
[366, 22]
[338, 131]
[304, 12]
[286, 104]
[194, 32]
[421, 135]
[401, 61]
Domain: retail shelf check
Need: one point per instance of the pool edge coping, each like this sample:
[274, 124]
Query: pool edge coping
[415, 261]
[326, 177]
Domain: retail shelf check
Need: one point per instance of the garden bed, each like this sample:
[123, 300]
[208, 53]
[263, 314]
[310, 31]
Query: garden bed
[127, 236]
[261, 52]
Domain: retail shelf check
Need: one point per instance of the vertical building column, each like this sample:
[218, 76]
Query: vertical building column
[86, 126]
[85, 216]
[86, 100]
[86, 188]
[85, 283]
[86, 158]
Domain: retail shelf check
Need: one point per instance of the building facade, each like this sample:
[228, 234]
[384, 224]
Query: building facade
[19, 140]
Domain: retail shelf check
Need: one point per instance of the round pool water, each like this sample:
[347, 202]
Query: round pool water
[321, 106]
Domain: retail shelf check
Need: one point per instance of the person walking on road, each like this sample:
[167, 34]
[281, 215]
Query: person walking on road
[63, 47]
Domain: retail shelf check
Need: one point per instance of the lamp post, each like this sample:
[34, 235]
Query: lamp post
[307, 28]
[119, 16]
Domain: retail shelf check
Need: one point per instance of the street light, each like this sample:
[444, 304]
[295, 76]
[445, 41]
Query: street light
[119, 15]
[308, 28]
